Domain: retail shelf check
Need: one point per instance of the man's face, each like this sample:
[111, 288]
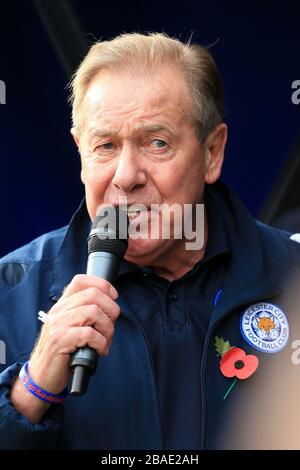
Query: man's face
[139, 141]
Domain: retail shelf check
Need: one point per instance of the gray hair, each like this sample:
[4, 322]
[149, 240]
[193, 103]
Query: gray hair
[149, 51]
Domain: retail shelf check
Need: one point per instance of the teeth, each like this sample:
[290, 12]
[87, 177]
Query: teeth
[136, 208]
[133, 215]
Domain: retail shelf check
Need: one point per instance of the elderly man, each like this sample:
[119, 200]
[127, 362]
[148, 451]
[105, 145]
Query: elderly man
[183, 333]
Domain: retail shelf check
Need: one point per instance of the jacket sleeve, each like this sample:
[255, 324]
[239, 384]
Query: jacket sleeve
[16, 431]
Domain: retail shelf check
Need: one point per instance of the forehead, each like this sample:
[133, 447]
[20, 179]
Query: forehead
[136, 97]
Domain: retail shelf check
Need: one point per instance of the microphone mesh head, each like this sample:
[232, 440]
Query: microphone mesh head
[109, 232]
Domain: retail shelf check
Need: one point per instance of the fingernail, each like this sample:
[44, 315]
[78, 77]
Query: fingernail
[113, 292]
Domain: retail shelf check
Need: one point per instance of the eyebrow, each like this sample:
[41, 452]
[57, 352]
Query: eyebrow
[139, 127]
[103, 133]
[155, 128]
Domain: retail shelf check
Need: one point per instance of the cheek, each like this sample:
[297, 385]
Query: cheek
[181, 182]
[95, 176]
[96, 182]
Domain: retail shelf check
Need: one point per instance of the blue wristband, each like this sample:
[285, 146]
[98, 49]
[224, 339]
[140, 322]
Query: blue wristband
[37, 391]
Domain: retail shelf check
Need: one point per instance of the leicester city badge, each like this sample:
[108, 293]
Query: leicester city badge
[265, 327]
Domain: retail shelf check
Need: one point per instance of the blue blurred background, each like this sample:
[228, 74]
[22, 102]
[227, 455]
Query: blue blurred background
[256, 46]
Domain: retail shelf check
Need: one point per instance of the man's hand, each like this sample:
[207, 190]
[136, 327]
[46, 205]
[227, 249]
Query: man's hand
[83, 316]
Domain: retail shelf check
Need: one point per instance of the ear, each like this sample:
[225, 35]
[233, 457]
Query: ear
[214, 153]
[76, 138]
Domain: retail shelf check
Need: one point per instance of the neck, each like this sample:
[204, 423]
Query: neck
[179, 261]
[180, 266]
[175, 262]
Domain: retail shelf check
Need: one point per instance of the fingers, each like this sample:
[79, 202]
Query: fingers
[87, 303]
[79, 337]
[84, 281]
[91, 315]
[89, 296]
[83, 316]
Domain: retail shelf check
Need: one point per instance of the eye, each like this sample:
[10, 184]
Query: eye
[157, 147]
[104, 148]
[158, 143]
[107, 146]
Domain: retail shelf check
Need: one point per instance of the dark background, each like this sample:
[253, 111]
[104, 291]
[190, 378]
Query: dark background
[255, 44]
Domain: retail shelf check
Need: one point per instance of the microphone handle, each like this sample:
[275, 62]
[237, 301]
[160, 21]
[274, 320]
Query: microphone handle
[84, 360]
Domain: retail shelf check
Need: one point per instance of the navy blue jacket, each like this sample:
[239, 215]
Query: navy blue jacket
[120, 409]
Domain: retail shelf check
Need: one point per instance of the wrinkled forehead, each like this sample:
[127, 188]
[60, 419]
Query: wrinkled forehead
[162, 92]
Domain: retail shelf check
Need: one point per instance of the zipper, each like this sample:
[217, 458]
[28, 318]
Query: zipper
[133, 320]
[205, 349]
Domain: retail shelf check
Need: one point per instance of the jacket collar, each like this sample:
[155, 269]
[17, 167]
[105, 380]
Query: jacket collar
[249, 278]
[72, 255]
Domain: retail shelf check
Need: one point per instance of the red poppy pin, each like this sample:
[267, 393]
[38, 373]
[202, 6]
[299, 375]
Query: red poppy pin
[235, 362]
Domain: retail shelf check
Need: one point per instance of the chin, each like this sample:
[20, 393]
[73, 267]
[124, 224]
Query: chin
[142, 249]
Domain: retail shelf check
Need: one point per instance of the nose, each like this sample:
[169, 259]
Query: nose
[129, 174]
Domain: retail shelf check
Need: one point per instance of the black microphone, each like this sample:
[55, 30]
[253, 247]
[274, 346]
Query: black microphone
[107, 244]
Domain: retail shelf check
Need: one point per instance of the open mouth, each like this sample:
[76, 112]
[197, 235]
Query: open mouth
[135, 210]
